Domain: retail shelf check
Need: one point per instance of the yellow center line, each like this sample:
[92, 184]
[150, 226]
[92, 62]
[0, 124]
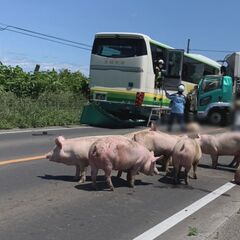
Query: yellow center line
[2, 163]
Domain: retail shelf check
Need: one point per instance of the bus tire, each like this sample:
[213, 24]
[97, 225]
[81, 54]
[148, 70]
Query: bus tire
[217, 117]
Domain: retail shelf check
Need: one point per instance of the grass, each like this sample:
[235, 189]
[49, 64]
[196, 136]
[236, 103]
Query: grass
[49, 109]
[192, 231]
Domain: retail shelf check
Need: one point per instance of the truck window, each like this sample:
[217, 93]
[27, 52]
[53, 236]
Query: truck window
[210, 84]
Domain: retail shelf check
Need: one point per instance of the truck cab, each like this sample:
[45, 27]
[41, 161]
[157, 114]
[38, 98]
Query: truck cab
[214, 98]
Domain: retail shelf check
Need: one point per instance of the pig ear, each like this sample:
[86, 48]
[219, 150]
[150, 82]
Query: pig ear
[59, 141]
[155, 159]
[158, 158]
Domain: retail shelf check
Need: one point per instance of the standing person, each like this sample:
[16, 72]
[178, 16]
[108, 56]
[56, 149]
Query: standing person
[178, 101]
[158, 73]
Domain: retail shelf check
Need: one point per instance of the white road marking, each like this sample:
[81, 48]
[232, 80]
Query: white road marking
[42, 130]
[162, 227]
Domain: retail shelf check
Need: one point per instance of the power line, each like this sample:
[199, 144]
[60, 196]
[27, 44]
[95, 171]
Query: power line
[211, 50]
[47, 37]
[43, 38]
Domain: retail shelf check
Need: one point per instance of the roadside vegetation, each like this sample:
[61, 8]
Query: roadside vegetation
[39, 99]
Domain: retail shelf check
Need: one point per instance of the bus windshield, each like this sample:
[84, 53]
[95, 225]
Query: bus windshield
[119, 47]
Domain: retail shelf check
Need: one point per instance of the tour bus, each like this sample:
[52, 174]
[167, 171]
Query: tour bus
[123, 76]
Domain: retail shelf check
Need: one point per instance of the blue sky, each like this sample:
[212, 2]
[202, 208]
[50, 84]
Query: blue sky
[211, 24]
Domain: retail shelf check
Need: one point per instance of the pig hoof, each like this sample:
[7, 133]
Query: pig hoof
[81, 181]
[112, 189]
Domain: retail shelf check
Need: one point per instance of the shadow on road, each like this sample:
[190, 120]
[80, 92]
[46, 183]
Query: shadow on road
[221, 167]
[168, 184]
[102, 185]
[64, 178]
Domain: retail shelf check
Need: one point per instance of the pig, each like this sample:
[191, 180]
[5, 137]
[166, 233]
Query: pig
[119, 153]
[73, 152]
[237, 176]
[160, 143]
[186, 153]
[221, 145]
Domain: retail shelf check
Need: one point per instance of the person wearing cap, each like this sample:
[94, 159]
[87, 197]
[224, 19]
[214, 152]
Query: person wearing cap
[178, 101]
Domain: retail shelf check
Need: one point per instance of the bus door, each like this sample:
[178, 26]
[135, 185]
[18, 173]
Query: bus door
[174, 65]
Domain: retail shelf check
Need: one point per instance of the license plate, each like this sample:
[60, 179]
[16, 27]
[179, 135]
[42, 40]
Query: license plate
[101, 96]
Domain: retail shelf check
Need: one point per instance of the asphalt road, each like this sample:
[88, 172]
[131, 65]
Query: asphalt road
[40, 199]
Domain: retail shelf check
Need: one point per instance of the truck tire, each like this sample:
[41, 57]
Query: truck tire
[217, 117]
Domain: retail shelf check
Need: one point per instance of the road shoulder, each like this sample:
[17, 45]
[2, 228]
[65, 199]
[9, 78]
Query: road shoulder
[209, 220]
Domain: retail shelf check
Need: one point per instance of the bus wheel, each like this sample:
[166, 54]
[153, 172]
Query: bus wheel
[217, 117]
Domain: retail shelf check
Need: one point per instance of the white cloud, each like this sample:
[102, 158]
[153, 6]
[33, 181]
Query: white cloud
[28, 64]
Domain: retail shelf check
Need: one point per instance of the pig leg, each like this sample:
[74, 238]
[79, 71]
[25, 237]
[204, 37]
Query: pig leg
[77, 173]
[214, 161]
[187, 169]
[131, 177]
[156, 171]
[108, 178]
[83, 175]
[186, 176]
[195, 170]
[235, 162]
[176, 174]
[94, 172]
[168, 161]
[119, 173]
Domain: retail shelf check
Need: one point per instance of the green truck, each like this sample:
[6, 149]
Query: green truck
[215, 94]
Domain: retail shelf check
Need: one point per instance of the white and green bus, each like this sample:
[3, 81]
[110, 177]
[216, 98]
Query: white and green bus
[122, 75]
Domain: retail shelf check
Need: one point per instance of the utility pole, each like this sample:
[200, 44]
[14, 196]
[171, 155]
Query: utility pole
[188, 45]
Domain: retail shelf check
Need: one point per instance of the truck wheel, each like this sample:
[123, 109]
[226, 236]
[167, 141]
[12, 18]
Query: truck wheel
[217, 117]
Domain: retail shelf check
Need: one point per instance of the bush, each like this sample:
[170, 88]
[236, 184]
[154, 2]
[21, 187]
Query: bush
[40, 99]
[49, 109]
[14, 79]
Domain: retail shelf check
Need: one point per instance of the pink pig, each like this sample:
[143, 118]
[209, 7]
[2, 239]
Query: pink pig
[119, 153]
[220, 145]
[160, 143]
[186, 153]
[73, 152]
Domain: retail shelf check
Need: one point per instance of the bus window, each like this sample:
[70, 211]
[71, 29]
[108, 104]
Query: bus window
[192, 70]
[174, 63]
[119, 47]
